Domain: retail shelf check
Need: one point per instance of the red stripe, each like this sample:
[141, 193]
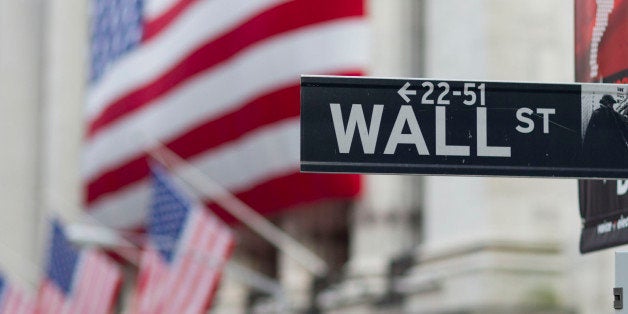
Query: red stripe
[188, 253]
[293, 190]
[283, 18]
[224, 257]
[290, 191]
[195, 141]
[155, 26]
[202, 269]
[218, 278]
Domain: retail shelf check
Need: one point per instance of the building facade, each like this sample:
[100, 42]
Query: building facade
[410, 244]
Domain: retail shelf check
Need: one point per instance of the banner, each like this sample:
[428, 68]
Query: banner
[421, 126]
[602, 56]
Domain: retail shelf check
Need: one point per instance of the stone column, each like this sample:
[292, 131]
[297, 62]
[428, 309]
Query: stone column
[21, 38]
[66, 66]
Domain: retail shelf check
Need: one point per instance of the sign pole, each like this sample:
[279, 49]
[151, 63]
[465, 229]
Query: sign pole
[621, 282]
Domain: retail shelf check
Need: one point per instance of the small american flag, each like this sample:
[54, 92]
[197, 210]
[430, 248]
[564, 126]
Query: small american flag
[217, 81]
[14, 300]
[76, 281]
[187, 250]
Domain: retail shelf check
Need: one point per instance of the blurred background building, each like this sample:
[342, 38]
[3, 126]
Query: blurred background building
[409, 244]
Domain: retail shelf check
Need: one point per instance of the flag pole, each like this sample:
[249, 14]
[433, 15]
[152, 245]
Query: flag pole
[238, 209]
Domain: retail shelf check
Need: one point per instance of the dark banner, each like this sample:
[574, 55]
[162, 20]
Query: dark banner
[417, 126]
[602, 56]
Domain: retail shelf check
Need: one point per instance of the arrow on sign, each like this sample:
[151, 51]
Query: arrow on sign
[404, 92]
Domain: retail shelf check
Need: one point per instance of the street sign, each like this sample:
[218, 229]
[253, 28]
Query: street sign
[445, 127]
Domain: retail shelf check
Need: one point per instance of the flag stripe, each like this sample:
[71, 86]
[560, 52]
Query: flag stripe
[205, 281]
[153, 271]
[51, 299]
[16, 301]
[276, 150]
[240, 171]
[153, 58]
[194, 250]
[156, 25]
[80, 288]
[223, 90]
[224, 129]
[280, 19]
[110, 280]
[184, 266]
[153, 9]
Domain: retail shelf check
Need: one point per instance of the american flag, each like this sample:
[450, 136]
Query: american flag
[76, 281]
[217, 81]
[189, 247]
[14, 300]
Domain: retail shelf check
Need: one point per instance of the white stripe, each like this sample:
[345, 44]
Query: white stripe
[91, 274]
[275, 149]
[155, 8]
[113, 275]
[228, 86]
[5, 298]
[42, 298]
[174, 271]
[189, 274]
[18, 302]
[66, 305]
[107, 273]
[145, 273]
[101, 283]
[96, 275]
[75, 297]
[270, 151]
[202, 21]
[209, 276]
[9, 299]
[155, 278]
[83, 279]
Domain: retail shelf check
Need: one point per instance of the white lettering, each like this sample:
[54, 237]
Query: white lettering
[483, 148]
[441, 137]
[525, 119]
[546, 112]
[356, 119]
[406, 115]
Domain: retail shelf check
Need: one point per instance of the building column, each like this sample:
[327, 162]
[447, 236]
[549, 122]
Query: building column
[21, 38]
[490, 245]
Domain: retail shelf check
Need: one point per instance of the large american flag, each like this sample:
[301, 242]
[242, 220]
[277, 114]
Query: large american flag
[14, 300]
[187, 251]
[217, 81]
[76, 281]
